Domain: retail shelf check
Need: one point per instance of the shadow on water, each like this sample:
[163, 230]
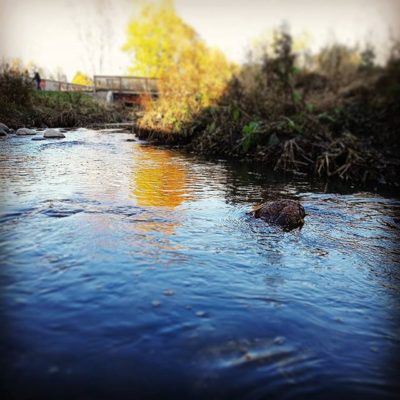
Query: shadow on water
[129, 271]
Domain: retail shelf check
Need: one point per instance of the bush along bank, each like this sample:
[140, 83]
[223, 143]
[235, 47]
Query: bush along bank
[338, 120]
[21, 105]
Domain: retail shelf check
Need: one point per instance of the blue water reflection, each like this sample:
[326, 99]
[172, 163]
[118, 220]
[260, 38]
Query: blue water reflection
[134, 272]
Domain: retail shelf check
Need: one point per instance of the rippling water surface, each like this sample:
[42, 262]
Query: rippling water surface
[129, 271]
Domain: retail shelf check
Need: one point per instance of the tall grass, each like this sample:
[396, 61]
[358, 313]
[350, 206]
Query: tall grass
[21, 105]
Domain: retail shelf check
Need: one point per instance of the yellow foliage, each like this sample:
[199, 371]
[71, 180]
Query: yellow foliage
[157, 39]
[81, 79]
[16, 65]
[191, 74]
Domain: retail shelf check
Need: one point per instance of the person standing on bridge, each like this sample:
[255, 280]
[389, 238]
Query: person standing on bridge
[37, 80]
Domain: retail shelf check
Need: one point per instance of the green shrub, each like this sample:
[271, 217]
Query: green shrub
[251, 132]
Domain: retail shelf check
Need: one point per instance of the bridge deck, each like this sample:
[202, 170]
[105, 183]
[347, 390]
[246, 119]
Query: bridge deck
[129, 85]
[125, 84]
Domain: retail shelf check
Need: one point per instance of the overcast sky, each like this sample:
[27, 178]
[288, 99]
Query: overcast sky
[77, 34]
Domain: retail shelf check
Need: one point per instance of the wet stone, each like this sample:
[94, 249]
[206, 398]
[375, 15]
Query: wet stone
[5, 128]
[25, 131]
[53, 134]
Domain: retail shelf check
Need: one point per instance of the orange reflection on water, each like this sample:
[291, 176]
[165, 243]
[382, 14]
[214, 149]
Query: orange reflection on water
[160, 180]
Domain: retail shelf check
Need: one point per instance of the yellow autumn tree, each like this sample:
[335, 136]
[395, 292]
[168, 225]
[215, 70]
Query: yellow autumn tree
[157, 39]
[191, 74]
[81, 79]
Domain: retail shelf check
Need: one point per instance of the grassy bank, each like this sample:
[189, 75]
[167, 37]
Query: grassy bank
[21, 105]
[336, 117]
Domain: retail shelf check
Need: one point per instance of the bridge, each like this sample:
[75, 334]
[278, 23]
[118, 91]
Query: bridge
[126, 89]
[51, 85]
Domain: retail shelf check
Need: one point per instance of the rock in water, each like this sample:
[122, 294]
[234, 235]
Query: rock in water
[25, 131]
[3, 132]
[288, 214]
[5, 128]
[53, 134]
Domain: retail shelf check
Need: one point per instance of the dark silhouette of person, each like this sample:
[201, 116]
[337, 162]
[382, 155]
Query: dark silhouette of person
[37, 80]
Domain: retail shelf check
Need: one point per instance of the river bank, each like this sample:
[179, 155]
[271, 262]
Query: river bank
[349, 133]
[22, 106]
[347, 158]
[60, 109]
[333, 114]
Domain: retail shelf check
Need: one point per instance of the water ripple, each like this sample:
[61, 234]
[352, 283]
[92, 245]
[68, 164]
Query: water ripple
[140, 268]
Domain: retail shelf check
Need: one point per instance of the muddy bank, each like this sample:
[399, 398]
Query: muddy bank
[347, 157]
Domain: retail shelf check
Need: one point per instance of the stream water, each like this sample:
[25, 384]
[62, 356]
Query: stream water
[134, 272]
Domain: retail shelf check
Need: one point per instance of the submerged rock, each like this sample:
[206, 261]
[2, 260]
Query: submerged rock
[53, 134]
[3, 132]
[201, 314]
[38, 138]
[25, 131]
[288, 214]
[156, 303]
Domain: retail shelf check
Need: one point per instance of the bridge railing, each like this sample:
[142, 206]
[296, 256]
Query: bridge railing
[52, 85]
[126, 84]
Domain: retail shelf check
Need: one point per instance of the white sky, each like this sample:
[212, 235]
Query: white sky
[55, 34]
